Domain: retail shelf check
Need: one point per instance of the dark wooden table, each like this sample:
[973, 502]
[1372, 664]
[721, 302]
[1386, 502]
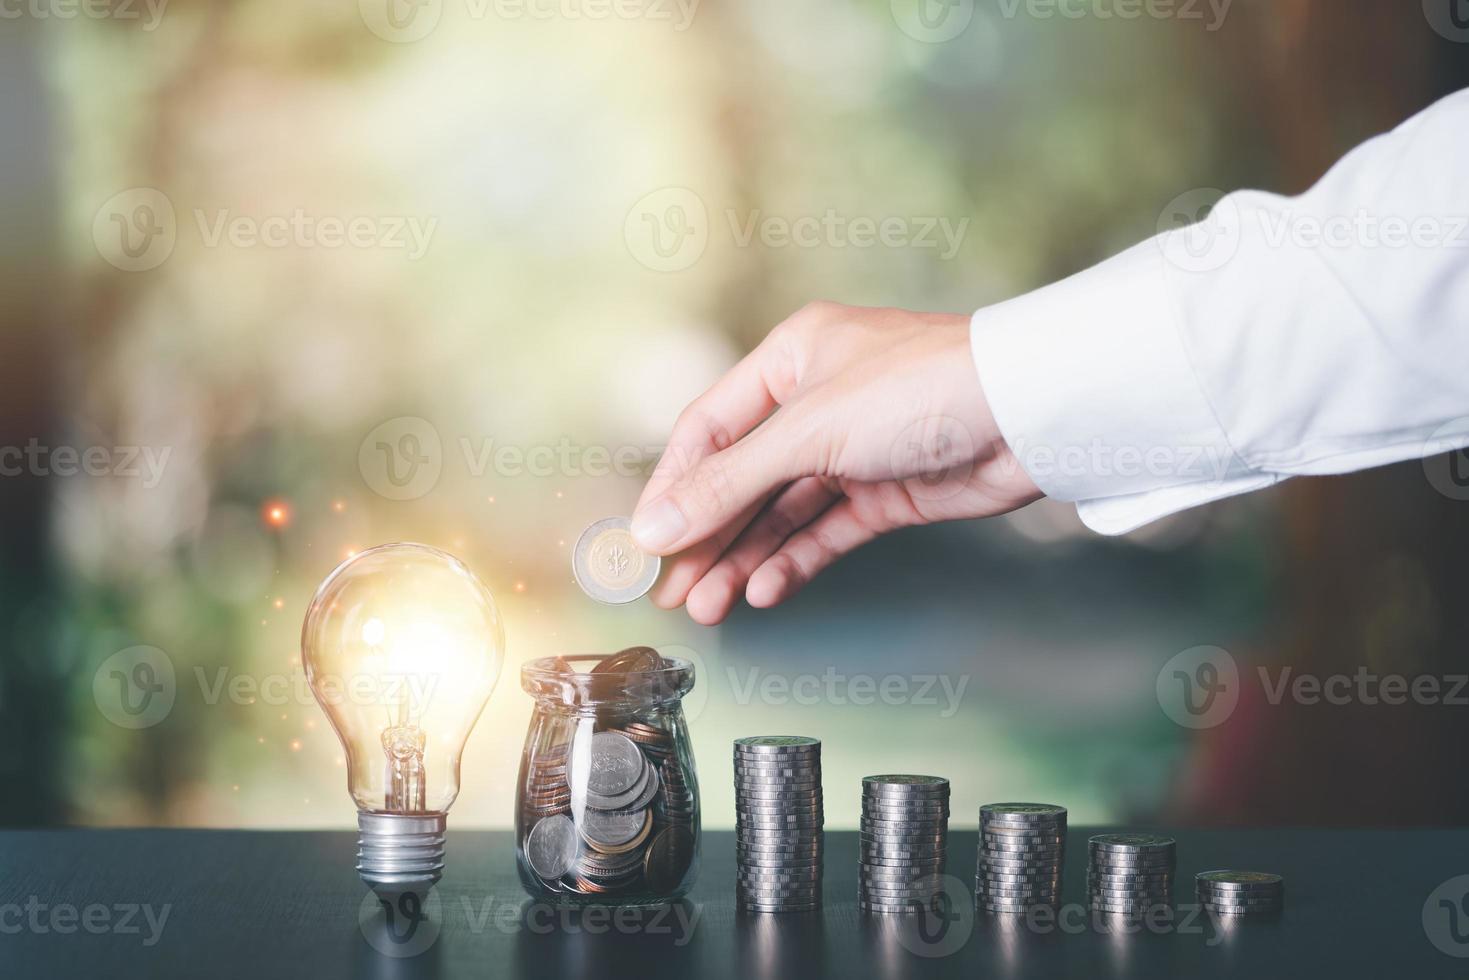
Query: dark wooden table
[218, 904]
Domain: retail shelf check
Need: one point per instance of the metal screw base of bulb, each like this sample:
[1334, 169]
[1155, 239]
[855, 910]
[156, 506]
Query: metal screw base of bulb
[400, 852]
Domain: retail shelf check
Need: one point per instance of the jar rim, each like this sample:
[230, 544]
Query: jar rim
[542, 679]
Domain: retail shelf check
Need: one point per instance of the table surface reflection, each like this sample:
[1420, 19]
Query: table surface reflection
[192, 903]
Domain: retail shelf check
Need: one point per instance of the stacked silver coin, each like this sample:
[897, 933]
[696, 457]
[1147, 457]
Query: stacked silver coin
[1129, 874]
[904, 840]
[778, 823]
[1240, 892]
[1022, 850]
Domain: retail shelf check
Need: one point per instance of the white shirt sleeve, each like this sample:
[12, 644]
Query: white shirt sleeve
[1280, 337]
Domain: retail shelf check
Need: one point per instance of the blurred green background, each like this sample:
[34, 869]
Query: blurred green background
[210, 213]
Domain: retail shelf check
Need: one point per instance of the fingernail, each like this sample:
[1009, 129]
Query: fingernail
[658, 525]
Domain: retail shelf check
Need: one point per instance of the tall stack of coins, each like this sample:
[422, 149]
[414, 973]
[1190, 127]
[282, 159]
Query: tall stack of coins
[1022, 849]
[1240, 892]
[903, 844]
[1130, 874]
[778, 823]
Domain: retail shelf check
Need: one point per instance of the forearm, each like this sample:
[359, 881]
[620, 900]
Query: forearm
[1309, 335]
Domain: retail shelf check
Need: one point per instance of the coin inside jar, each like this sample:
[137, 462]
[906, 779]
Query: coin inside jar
[551, 847]
[613, 768]
[630, 661]
[609, 566]
[615, 831]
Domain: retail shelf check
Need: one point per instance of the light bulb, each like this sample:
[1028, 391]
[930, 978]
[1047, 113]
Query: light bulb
[402, 646]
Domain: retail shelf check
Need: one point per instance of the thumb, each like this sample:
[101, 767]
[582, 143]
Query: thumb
[717, 490]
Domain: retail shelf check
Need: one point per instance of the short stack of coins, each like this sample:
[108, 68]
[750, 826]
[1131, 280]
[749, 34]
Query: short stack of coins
[1130, 874]
[903, 844]
[1240, 892]
[1022, 850]
[778, 823]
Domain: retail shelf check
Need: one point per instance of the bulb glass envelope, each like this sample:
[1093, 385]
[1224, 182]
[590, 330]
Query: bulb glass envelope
[402, 646]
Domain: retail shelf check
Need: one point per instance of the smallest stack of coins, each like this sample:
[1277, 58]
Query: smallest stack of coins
[1129, 874]
[778, 823]
[904, 841]
[1240, 892]
[1022, 849]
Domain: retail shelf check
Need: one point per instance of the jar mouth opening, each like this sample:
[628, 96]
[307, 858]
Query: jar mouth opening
[549, 668]
[547, 679]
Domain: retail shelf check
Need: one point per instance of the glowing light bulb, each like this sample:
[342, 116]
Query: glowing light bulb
[402, 646]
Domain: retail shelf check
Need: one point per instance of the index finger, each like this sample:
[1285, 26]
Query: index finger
[723, 415]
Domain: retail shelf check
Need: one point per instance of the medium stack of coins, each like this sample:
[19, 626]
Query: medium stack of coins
[778, 823]
[1130, 874]
[1022, 849]
[904, 840]
[1240, 892]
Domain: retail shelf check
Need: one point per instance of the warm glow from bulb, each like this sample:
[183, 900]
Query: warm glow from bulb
[402, 646]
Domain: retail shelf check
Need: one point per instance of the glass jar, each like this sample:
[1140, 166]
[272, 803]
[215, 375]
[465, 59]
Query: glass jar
[607, 802]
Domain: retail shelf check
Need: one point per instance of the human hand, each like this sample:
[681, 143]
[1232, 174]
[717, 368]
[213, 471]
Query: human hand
[845, 423]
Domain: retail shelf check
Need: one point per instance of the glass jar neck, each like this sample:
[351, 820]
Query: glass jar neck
[571, 685]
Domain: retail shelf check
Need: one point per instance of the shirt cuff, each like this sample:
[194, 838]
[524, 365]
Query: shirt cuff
[1091, 386]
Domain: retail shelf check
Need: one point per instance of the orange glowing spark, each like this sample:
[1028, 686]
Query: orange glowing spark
[275, 513]
[339, 505]
[279, 603]
[519, 586]
[295, 745]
